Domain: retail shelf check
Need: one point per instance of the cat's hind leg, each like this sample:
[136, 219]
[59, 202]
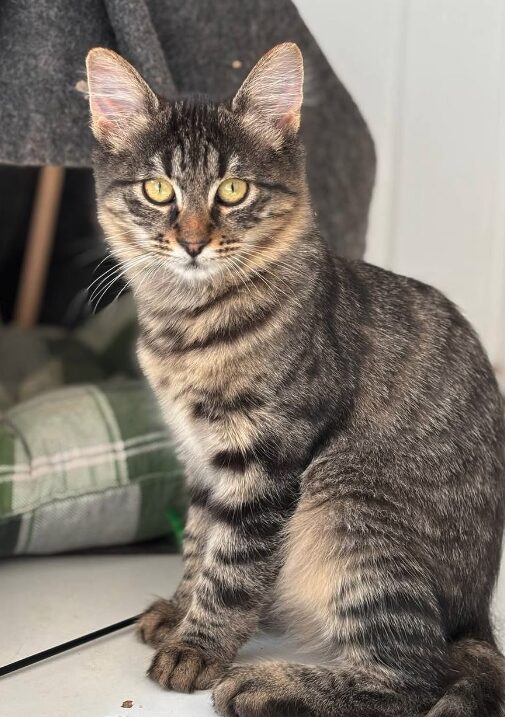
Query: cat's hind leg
[356, 583]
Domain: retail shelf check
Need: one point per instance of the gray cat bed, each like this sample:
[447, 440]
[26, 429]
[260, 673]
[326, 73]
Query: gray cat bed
[179, 48]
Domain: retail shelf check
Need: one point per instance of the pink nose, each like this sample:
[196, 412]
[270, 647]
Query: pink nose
[193, 234]
[193, 248]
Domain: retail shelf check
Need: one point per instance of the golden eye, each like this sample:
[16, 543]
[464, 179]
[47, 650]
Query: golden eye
[158, 191]
[232, 191]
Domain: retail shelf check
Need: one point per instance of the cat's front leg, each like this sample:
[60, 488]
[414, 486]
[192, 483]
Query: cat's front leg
[160, 619]
[237, 576]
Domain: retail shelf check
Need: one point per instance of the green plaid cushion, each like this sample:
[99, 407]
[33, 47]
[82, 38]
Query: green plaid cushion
[84, 466]
[81, 464]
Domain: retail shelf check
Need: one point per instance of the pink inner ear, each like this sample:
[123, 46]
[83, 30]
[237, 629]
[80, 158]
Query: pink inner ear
[112, 106]
[289, 121]
[283, 88]
[115, 90]
[274, 88]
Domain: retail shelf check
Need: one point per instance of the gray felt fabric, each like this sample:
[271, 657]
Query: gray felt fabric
[179, 47]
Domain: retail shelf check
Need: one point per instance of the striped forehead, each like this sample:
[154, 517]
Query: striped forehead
[198, 145]
[194, 165]
[194, 158]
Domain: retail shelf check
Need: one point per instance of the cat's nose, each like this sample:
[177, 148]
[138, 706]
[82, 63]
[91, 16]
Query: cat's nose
[192, 233]
[193, 248]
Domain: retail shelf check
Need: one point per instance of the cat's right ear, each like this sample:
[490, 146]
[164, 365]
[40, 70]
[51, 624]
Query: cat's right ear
[270, 97]
[119, 99]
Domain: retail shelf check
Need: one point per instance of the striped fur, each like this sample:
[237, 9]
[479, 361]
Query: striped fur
[341, 426]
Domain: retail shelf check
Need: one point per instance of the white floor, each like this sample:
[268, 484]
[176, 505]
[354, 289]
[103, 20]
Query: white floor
[46, 601]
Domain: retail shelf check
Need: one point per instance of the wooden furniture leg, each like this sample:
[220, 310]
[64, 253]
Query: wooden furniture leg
[39, 245]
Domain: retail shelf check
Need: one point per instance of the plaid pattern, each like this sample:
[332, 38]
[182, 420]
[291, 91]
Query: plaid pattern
[80, 465]
[85, 466]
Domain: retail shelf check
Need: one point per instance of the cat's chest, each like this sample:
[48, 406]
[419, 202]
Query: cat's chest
[195, 399]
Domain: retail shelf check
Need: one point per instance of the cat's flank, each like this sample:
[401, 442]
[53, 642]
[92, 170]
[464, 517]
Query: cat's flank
[340, 425]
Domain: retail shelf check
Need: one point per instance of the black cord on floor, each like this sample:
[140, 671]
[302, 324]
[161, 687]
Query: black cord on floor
[39, 656]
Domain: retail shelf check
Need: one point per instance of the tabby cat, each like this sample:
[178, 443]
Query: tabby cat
[341, 426]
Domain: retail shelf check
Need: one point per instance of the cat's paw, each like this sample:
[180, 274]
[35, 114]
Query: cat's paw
[156, 624]
[257, 691]
[184, 668]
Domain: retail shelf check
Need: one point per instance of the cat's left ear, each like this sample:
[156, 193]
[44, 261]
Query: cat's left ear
[271, 95]
[120, 101]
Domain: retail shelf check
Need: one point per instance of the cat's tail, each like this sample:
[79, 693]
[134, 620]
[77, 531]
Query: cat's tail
[477, 687]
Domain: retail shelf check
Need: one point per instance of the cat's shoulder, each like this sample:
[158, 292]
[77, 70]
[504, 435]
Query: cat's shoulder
[394, 298]
[387, 282]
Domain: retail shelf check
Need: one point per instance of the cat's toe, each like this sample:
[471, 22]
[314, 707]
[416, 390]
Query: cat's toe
[255, 691]
[158, 621]
[183, 668]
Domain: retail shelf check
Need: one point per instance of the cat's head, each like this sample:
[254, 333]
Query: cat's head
[200, 189]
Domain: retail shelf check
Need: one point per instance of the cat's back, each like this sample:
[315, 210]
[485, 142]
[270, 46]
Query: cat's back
[420, 363]
[402, 310]
[397, 303]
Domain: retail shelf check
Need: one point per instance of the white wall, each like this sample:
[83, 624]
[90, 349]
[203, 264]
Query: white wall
[429, 77]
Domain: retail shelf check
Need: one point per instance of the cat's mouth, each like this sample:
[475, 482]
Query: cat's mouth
[195, 268]
[194, 263]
